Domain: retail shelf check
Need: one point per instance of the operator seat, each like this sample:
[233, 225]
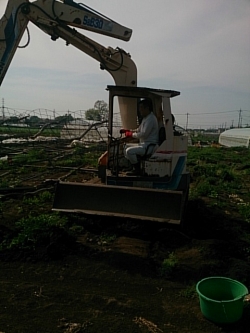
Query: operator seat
[162, 135]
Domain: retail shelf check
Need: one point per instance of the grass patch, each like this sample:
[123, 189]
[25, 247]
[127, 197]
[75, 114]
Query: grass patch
[106, 239]
[41, 198]
[189, 292]
[244, 209]
[218, 173]
[168, 265]
[31, 229]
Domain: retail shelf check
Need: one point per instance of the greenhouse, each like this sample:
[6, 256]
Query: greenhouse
[237, 137]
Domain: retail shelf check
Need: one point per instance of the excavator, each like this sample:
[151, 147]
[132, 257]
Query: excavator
[160, 192]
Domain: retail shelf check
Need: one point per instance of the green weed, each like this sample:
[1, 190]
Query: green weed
[244, 209]
[189, 292]
[202, 189]
[226, 175]
[4, 183]
[33, 228]
[30, 156]
[39, 199]
[106, 239]
[168, 265]
[1, 208]
[91, 159]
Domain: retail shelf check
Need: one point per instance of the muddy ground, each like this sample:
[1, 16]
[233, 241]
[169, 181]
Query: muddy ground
[108, 275]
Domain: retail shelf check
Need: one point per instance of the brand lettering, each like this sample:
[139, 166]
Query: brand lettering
[92, 22]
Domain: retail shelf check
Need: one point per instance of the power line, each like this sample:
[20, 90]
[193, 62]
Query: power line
[202, 113]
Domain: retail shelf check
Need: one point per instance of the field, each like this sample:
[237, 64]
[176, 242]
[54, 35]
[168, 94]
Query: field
[68, 273]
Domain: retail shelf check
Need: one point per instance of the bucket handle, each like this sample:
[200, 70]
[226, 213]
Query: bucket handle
[247, 298]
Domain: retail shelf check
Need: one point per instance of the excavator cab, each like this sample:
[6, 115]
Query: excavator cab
[131, 119]
[160, 192]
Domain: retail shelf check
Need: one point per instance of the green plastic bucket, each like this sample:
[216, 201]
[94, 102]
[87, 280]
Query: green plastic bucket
[221, 299]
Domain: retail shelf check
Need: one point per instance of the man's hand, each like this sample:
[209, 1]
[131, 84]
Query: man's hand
[128, 134]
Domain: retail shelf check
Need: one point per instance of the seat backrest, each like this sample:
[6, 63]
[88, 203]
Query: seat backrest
[162, 135]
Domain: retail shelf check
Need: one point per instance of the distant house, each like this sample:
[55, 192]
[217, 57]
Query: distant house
[237, 137]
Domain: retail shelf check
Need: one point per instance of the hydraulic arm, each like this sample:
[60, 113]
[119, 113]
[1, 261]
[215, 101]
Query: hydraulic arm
[55, 18]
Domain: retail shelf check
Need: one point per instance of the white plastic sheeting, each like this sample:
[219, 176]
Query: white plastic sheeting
[88, 131]
[237, 137]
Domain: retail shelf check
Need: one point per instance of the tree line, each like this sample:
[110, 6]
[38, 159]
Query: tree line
[98, 113]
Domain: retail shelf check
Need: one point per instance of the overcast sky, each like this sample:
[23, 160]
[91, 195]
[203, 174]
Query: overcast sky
[198, 47]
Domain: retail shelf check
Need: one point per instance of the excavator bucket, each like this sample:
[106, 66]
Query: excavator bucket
[131, 202]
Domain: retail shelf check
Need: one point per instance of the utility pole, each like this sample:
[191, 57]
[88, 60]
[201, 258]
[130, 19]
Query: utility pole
[187, 122]
[3, 108]
[240, 119]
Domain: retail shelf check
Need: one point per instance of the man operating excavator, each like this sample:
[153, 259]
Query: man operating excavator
[164, 174]
[147, 133]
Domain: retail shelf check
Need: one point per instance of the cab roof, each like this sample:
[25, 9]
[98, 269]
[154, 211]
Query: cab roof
[140, 91]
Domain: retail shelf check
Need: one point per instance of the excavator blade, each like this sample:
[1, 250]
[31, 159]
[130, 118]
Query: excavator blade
[120, 201]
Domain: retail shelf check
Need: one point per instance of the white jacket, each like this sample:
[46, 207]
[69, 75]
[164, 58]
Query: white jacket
[148, 131]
